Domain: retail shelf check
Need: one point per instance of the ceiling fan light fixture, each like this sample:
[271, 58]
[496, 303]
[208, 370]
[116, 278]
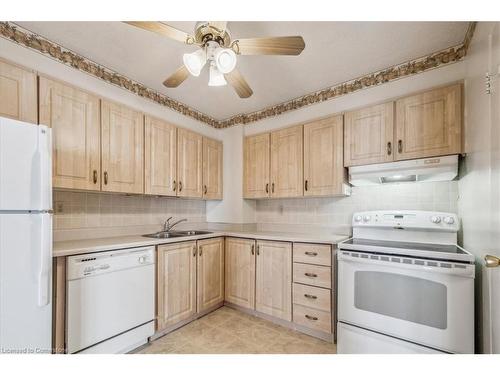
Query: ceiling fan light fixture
[225, 59]
[216, 77]
[194, 62]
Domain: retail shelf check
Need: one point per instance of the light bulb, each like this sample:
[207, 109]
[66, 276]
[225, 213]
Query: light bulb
[216, 77]
[225, 59]
[194, 62]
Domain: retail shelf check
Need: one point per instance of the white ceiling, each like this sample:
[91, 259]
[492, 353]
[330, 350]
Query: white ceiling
[335, 52]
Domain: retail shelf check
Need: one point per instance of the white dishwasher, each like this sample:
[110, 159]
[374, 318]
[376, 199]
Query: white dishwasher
[110, 300]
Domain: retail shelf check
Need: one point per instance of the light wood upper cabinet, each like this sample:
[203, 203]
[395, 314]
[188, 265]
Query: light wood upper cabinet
[240, 272]
[212, 169]
[256, 166]
[176, 283]
[273, 283]
[429, 124]
[18, 96]
[287, 162]
[160, 157]
[73, 116]
[210, 273]
[323, 157]
[368, 135]
[189, 163]
[122, 137]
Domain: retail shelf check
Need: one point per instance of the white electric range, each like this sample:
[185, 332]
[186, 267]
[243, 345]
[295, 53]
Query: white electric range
[404, 285]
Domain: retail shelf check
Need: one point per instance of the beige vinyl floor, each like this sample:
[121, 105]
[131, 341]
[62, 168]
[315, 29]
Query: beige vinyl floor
[228, 331]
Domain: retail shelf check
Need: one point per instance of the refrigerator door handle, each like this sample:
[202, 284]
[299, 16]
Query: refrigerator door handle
[44, 274]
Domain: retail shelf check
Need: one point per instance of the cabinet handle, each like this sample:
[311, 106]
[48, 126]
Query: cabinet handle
[272, 188]
[309, 274]
[205, 189]
[400, 146]
[253, 249]
[310, 296]
[201, 251]
[180, 186]
[174, 186]
[310, 317]
[389, 148]
[194, 251]
[105, 178]
[267, 188]
[95, 176]
[311, 253]
[258, 250]
[305, 185]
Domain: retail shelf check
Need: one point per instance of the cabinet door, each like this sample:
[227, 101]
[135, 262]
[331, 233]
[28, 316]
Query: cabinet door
[212, 169]
[368, 135]
[122, 148]
[287, 163]
[18, 99]
[176, 287]
[323, 157]
[256, 166]
[210, 273]
[273, 283]
[429, 124]
[240, 272]
[160, 157]
[189, 163]
[73, 116]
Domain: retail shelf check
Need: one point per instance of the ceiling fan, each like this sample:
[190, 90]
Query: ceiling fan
[219, 51]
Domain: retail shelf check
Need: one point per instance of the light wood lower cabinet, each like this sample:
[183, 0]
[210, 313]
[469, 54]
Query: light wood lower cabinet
[160, 157]
[240, 272]
[210, 273]
[122, 137]
[73, 116]
[189, 163]
[273, 281]
[176, 285]
[212, 169]
[18, 96]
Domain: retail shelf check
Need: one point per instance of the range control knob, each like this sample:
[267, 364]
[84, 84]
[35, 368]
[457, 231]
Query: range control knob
[366, 218]
[436, 219]
[357, 218]
[449, 220]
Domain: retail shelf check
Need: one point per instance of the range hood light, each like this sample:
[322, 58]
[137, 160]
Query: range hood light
[398, 178]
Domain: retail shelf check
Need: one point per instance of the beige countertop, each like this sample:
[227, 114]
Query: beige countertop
[65, 248]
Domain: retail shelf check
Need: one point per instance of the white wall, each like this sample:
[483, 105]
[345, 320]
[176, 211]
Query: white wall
[479, 186]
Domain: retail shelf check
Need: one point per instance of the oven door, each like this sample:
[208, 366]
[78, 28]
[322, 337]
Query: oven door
[422, 301]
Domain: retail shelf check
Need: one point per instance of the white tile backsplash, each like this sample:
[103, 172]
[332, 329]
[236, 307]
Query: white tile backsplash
[431, 196]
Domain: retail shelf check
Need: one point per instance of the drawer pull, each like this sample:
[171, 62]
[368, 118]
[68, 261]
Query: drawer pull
[309, 274]
[310, 296]
[311, 253]
[311, 317]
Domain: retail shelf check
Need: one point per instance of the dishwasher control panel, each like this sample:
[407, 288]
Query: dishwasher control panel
[86, 265]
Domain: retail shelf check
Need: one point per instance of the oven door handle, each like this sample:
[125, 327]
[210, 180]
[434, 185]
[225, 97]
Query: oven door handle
[467, 271]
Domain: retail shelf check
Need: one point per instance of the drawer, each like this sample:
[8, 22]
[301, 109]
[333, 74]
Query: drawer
[312, 275]
[312, 318]
[311, 296]
[313, 254]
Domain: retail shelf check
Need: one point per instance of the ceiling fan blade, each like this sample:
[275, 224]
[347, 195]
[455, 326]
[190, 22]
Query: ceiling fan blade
[220, 25]
[177, 78]
[239, 84]
[163, 29]
[281, 45]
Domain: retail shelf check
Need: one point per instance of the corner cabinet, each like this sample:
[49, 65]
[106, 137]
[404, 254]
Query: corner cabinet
[73, 116]
[122, 132]
[212, 169]
[256, 166]
[189, 164]
[160, 157]
[18, 93]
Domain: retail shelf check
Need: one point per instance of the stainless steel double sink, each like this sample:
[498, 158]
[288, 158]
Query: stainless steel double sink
[175, 234]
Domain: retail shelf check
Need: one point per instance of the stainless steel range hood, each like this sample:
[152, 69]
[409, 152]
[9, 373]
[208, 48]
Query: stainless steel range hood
[443, 168]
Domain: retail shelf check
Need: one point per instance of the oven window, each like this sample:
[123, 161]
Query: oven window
[403, 297]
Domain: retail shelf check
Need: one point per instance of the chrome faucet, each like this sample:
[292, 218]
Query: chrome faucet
[167, 227]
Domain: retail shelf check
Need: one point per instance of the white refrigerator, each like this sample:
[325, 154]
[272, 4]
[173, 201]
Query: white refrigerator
[25, 238]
